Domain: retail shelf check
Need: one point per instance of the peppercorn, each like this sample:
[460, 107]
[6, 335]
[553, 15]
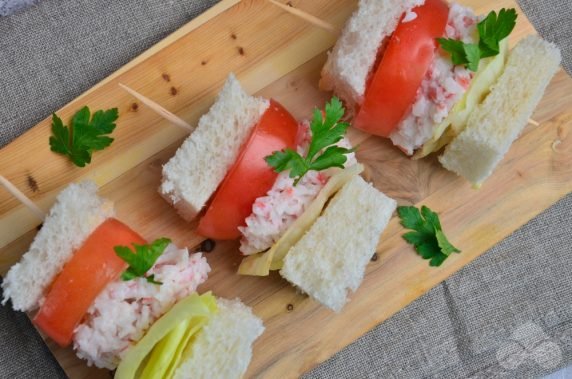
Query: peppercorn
[208, 245]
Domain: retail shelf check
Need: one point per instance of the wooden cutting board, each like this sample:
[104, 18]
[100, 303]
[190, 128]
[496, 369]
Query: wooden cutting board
[277, 55]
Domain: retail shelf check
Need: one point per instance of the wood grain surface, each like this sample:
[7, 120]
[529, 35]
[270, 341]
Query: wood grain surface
[277, 55]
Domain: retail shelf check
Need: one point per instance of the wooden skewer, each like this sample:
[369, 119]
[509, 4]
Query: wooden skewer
[176, 120]
[306, 16]
[22, 198]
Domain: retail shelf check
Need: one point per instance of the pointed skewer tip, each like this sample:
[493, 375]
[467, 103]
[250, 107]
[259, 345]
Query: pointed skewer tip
[167, 115]
[25, 200]
[306, 16]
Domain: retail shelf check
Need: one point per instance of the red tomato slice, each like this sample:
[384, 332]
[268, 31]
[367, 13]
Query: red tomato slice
[92, 267]
[407, 58]
[250, 177]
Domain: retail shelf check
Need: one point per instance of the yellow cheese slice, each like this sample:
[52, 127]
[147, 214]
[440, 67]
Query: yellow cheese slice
[169, 335]
[490, 69]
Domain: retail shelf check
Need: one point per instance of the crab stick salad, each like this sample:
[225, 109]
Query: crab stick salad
[427, 73]
[273, 213]
[95, 283]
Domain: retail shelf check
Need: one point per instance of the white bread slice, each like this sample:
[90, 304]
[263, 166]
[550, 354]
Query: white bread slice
[223, 348]
[201, 163]
[498, 121]
[331, 257]
[77, 212]
[352, 59]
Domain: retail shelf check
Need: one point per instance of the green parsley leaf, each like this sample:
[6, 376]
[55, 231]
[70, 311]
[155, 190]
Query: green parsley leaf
[492, 30]
[288, 160]
[427, 236]
[455, 48]
[446, 247]
[142, 259]
[323, 153]
[473, 54]
[151, 279]
[431, 217]
[83, 136]
[333, 156]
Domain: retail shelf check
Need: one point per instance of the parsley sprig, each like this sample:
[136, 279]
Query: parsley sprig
[85, 134]
[142, 259]
[492, 30]
[323, 153]
[427, 236]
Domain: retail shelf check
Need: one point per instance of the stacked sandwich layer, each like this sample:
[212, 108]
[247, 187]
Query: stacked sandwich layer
[285, 225]
[125, 310]
[473, 96]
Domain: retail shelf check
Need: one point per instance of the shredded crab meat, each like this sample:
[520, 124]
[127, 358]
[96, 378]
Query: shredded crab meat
[284, 203]
[443, 86]
[124, 311]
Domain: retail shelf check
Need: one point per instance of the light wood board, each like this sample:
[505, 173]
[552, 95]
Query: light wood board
[279, 56]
